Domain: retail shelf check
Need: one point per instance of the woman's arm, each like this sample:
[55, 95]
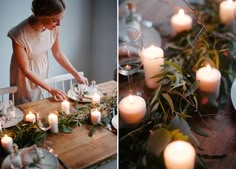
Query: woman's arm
[64, 62]
[23, 63]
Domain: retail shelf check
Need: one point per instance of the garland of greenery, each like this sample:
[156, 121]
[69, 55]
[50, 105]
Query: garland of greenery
[26, 134]
[172, 104]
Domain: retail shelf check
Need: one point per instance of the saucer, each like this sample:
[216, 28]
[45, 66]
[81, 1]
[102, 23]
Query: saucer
[114, 122]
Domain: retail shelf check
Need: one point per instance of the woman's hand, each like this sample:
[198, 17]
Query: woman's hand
[81, 79]
[58, 94]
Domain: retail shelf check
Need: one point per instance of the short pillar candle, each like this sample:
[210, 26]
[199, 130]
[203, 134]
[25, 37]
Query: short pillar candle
[96, 98]
[153, 59]
[132, 109]
[227, 11]
[209, 80]
[96, 116]
[181, 22]
[30, 117]
[7, 143]
[65, 105]
[179, 155]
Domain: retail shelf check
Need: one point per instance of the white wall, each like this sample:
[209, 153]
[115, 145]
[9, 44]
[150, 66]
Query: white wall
[88, 36]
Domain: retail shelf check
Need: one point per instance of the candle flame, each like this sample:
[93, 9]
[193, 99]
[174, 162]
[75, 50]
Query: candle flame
[131, 99]
[181, 12]
[208, 68]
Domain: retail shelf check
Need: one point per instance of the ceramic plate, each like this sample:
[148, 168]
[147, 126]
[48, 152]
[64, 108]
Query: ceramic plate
[49, 160]
[12, 121]
[74, 93]
[233, 93]
[114, 121]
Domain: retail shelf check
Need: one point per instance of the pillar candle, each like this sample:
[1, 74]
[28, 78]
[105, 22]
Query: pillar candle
[152, 58]
[95, 116]
[53, 120]
[227, 11]
[179, 154]
[209, 80]
[7, 143]
[30, 117]
[96, 98]
[65, 105]
[181, 22]
[132, 109]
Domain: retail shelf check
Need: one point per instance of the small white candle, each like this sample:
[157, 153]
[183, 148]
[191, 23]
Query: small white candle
[96, 98]
[227, 11]
[30, 117]
[179, 155]
[181, 22]
[132, 109]
[209, 80]
[152, 58]
[65, 105]
[7, 143]
[95, 116]
[53, 120]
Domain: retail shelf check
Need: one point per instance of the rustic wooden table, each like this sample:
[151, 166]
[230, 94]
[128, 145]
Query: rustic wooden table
[77, 149]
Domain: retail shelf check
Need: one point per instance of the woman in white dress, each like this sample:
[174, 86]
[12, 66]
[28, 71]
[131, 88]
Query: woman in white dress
[31, 41]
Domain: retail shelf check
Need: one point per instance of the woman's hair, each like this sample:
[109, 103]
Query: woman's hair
[47, 7]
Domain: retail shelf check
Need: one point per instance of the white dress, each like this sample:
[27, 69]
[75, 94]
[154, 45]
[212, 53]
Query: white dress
[36, 45]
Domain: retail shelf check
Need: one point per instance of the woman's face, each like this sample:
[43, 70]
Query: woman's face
[50, 22]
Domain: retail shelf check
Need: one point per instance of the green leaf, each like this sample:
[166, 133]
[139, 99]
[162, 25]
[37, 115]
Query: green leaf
[66, 129]
[175, 65]
[199, 131]
[158, 140]
[193, 88]
[169, 100]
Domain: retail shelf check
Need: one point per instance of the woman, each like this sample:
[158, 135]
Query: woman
[31, 41]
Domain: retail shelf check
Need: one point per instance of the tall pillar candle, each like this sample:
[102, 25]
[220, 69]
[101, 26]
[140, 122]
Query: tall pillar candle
[152, 58]
[132, 109]
[65, 105]
[181, 22]
[227, 11]
[209, 80]
[53, 120]
[7, 143]
[179, 155]
[95, 116]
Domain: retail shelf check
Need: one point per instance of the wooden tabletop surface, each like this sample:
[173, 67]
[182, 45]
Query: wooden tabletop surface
[77, 149]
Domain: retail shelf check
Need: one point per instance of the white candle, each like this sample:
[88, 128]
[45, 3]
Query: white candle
[96, 98]
[7, 143]
[53, 120]
[181, 22]
[132, 109]
[95, 116]
[209, 80]
[179, 155]
[227, 11]
[30, 117]
[65, 105]
[152, 58]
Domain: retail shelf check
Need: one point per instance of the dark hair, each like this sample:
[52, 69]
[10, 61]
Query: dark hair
[47, 7]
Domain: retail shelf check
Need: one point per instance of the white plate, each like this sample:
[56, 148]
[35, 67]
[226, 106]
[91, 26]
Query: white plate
[49, 160]
[72, 93]
[233, 93]
[114, 121]
[12, 121]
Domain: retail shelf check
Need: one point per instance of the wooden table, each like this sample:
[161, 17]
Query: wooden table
[77, 149]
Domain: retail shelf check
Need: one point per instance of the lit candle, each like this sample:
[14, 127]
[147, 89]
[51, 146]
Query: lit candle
[227, 11]
[7, 143]
[128, 67]
[96, 98]
[152, 58]
[65, 105]
[209, 80]
[30, 117]
[181, 22]
[95, 116]
[179, 154]
[53, 120]
[132, 109]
